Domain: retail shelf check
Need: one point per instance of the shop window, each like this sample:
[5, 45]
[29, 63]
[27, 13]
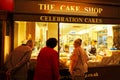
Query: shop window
[107, 37]
[37, 31]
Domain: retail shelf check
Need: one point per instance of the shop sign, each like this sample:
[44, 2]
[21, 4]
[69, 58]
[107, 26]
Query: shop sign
[67, 19]
[65, 8]
[73, 9]
[70, 19]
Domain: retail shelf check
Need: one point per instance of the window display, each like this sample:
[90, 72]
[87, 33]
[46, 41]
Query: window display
[106, 49]
[37, 31]
[102, 34]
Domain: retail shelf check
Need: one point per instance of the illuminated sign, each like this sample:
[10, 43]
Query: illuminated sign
[70, 9]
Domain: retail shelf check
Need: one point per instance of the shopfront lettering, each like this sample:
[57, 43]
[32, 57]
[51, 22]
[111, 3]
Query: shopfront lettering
[70, 19]
[92, 20]
[70, 9]
[63, 77]
[93, 9]
[46, 6]
[92, 75]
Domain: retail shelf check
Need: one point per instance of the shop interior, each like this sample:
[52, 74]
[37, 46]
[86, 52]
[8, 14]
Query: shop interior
[106, 35]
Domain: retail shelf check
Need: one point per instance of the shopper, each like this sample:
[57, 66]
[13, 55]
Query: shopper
[47, 67]
[78, 61]
[17, 62]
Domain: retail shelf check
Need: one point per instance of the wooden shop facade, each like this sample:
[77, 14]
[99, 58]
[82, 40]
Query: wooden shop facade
[66, 20]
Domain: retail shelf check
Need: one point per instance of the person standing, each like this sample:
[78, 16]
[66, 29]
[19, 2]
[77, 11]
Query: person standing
[78, 61]
[92, 48]
[47, 66]
[17, 62]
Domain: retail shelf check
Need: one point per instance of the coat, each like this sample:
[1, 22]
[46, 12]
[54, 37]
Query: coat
[47, 66]
[18, 62]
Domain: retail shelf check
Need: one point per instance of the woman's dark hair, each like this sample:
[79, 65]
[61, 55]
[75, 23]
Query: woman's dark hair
[51, 42]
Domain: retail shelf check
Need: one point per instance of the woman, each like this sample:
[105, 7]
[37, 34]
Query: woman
[47, 67]
[78, 63]
[92, 48]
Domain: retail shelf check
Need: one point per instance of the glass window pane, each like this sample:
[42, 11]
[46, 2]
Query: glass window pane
[107, 46]
[37, 31]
